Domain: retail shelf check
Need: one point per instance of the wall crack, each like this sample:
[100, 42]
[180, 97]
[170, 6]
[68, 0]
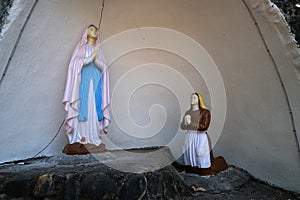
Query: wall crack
[101, 14]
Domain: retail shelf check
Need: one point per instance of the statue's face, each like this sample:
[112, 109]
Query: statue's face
[194, 99]
[92, 32]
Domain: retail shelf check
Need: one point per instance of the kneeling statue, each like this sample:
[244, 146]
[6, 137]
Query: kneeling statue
[198, 155]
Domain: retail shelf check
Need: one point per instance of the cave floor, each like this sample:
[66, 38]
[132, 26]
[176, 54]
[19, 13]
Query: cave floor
[135, 174]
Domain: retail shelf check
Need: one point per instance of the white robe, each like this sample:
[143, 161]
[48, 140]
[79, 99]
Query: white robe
[196, 150]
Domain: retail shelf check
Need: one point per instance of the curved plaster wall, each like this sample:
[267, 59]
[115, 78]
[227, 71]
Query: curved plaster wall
[258, 132]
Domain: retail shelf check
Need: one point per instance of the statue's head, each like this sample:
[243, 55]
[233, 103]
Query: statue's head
[92, 31]
[196, 99]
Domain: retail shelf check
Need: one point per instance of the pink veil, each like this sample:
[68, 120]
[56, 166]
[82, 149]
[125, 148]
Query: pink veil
[71, 95]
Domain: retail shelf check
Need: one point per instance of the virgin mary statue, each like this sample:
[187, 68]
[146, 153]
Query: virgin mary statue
[86, 96]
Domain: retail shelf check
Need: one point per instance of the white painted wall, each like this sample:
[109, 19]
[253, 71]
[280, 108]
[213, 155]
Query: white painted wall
[257, 134]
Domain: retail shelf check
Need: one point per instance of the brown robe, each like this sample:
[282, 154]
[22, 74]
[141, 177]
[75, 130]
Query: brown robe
[200, 120]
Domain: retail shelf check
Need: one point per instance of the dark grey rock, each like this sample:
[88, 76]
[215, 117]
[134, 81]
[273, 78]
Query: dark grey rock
[88, 181]
[292, 15]
[4, 8]
[135, 187]
[233, 184]
[165, 184]
[63, 159]
[83, 177]
[225, 181]
[16, 188]
[96, 185]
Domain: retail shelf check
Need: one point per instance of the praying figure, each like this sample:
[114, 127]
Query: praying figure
[86, 96]
[198, 155]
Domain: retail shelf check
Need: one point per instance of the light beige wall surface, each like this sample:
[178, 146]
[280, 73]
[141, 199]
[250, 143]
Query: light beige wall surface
[258, 134]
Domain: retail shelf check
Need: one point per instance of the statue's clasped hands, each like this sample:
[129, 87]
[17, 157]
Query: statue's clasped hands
[187, 119]
[95, 53]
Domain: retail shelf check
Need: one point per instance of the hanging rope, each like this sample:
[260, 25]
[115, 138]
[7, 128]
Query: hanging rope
[58, 131]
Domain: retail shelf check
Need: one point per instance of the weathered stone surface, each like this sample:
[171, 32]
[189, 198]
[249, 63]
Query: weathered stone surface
[165, 184]
[93, 182]
[84, 177]
[225, 181]
[4, 7]
[232, 184]
[292, 15]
